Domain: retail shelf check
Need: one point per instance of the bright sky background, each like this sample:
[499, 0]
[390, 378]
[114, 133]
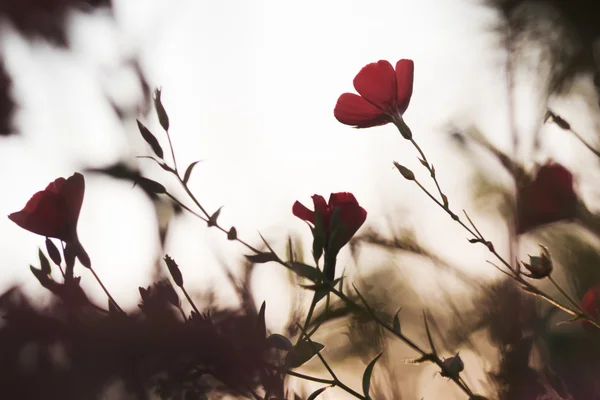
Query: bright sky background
[250, 88]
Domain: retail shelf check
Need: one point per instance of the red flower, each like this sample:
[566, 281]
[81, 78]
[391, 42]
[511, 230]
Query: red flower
[549, 198]
[351, 218]
[54, 212]
[591, 304]
[384, 95]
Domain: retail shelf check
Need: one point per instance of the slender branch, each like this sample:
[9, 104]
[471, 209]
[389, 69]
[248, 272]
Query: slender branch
[112, 300]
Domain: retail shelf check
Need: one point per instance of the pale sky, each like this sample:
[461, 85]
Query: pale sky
[250, 88]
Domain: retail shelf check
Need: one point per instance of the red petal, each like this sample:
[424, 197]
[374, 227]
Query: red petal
[44, 214]
[335, 199]
[376, 82]
[320, 204]
[300, 211]
[404, 76]
[351, 109]
[55, 187]
[72, 192]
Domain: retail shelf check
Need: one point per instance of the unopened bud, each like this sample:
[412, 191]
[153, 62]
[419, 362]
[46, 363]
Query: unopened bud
[174, 270]
[452, 366]
[539, 266]
[406, 173]
[403, 128]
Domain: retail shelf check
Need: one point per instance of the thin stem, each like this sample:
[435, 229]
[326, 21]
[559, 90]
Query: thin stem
[172, 153]
[429, 168]
[189, 299]
[427, 355]
[330, 370]
[112, 300]
[219, 227]
[564, 293]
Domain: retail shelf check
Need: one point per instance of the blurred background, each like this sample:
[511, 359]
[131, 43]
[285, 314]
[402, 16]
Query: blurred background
[250, 89]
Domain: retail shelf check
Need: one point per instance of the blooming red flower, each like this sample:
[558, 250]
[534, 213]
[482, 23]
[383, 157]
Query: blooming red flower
[384, 95]
[549, 198]
[590, 303]
[54, 212]
[351, 217]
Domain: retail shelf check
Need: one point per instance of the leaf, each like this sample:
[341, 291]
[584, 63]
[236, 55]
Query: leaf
[366, 381]
[212, 220]
[261, 325]
[150, 186]
[429, 338]
[317, 392]
[302, 352]
[396, 323]
[305, 271]
[262, 258]
[41, 276]
[163, 118]
[150, 139]
[280, 342]
[188, 171]
[45, 264]
[53, 251]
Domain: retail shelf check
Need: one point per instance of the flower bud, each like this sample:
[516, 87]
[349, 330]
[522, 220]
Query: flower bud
[406, 173]
[539, 266]
[174, 270]
[452, 366]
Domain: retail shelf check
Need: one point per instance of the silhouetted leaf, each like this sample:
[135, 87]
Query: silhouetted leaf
[150, 186]
[262, 258]
[366, 380]
[316, 393]
[396, 323]
[44, 263]
[188, 171]
[302, 353]
[305, 271]
[53, 251]
[150, 139]
[212, 221]
[261, 326]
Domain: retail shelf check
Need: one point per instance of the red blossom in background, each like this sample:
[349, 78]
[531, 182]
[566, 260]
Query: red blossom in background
[549, 198]
[384, 95]
[349, 219]
[590, 303]
[54, 211]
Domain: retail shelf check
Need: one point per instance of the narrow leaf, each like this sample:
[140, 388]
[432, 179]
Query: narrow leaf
[305, 271]
[188, 171]
[261, 325]
[150, 139]
[212, 221]
[316, 393]
[261, 258]
[151, 186]
[44, 263]
[396, 323]
[53, 251]
[366, 381]
[429, 338]
[303, 352]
